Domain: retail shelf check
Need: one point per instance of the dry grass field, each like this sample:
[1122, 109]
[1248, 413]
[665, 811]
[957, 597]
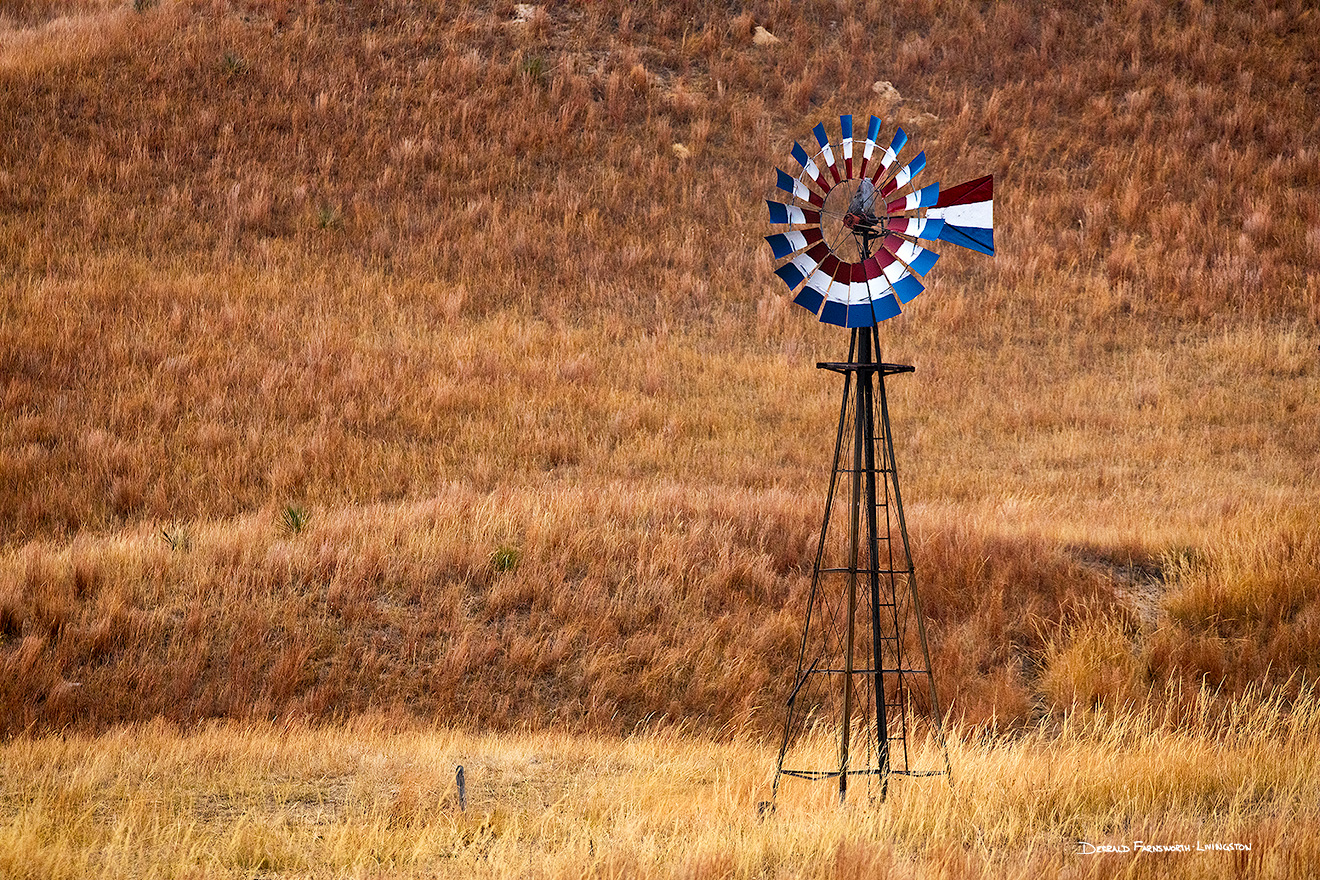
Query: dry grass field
[379, 379]
[369, 800]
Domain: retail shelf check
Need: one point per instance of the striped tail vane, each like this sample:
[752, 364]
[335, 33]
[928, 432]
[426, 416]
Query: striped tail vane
[968, 214]
[855, 235]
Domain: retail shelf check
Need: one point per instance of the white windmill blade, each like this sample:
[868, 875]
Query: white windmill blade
[826, 153]
[904, 175]
[797, 189]
[872, 133]
[807, 163]
[782, 213]
[890, 155]
[785, 243]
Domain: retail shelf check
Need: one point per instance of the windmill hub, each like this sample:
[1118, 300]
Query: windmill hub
[848, 220]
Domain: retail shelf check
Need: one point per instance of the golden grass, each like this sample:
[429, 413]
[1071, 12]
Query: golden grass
[443, 279]
[375, 799]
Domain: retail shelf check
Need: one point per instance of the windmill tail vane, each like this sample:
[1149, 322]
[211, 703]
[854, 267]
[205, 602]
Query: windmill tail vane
[859, 230]
[856, 246]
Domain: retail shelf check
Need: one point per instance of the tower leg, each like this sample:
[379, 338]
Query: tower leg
[861, 343]
[866, 401]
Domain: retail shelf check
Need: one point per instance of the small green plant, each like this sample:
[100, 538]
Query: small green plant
[327, 217]
[177, 537]
[234, 65]
[143, 5]
[294, 519]
[505, 558]
[534, 67]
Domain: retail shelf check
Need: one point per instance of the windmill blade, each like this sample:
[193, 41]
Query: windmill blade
[797, 189]
[809, 166]
[792, 273]
[810, 299]
[901, 282]
[916, 257]
[922, 198]
[785, 243]
[796, 270]
[825, 152]
[846, 145]
[907, 287]
[904, 175]
[891, 154]
[819, 290]
[872, 132]
[812, 294]
[968, 214]
[781, 213]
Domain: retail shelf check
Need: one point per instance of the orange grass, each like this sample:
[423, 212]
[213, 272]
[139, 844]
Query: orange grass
[372, 798]
[441, 278]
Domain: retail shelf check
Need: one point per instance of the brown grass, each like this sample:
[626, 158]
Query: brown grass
[443, 280]
[373, 799]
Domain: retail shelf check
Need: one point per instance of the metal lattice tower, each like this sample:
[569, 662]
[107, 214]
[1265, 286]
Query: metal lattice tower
[864, 663]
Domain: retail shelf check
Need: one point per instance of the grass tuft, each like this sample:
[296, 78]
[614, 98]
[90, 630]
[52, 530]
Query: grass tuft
[294, 520]
[505, 558]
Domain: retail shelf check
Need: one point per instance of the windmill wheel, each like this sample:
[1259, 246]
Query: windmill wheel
[853, 252]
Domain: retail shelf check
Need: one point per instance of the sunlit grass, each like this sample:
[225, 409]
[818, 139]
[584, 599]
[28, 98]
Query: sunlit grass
[375, 797]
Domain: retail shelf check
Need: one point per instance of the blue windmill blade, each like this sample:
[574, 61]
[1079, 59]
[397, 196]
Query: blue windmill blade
[825, 152]
[781, 213]
[907, 287]
[813, 171]
[809, 298]
[783, 244]
[872, 136]
[846, 145]
[791, 185]
[780, 245]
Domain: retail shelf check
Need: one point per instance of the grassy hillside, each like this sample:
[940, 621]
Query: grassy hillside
[439, 278]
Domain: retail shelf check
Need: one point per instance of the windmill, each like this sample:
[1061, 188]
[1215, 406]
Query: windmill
[852, 250]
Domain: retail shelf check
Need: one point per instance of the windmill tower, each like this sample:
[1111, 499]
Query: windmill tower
[851, 253]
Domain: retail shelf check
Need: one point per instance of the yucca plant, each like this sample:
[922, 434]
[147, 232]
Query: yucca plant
[505, 558]
[294, 519]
